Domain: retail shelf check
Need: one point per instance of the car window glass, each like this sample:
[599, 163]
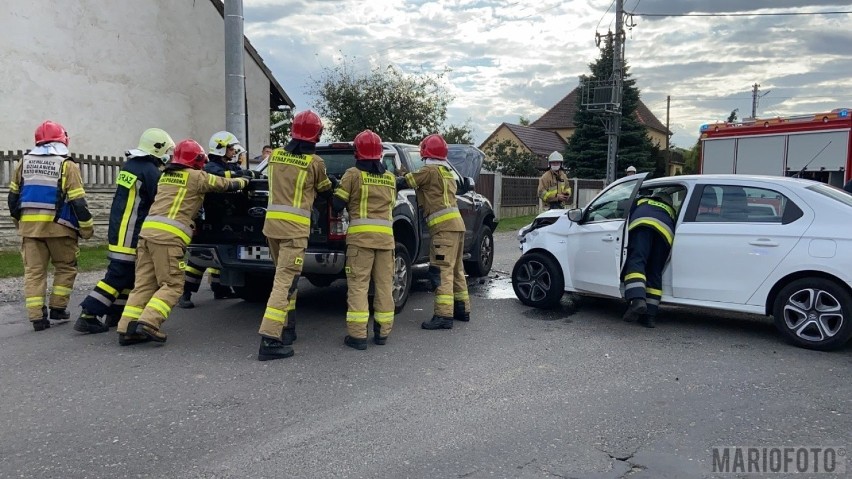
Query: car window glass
[834, 193]
[611, 205]
[676, 192]
[741, 204]
[390, 165]
[416, 160]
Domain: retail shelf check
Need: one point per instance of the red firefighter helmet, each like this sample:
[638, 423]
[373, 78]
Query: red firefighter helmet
[307, 126]
[368, 146]
[434, 146]
[189, 153]
[50, 131]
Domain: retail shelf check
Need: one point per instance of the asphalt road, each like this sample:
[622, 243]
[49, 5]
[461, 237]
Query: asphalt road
[514, 393]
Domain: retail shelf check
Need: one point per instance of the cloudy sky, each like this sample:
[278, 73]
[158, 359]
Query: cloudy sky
[510, 58]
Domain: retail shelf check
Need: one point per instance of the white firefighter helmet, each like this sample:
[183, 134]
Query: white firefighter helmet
[220, 142]
[555, 157]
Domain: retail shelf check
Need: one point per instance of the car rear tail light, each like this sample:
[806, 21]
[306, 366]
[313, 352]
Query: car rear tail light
[337, 225]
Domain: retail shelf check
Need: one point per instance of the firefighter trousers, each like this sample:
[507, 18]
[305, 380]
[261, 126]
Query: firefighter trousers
[647, 252]
[193, 274]
[110, 294]
[37, 253]
[158, 284]
[445, 254]
[363, 264]
[288, 256]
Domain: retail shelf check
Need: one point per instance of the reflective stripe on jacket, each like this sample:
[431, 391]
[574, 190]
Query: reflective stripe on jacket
[180, 193]
[370, 199]
[436, 194]
[294, 181]
[136, 188]
[551, 184]
[656, 215]
[49, 197]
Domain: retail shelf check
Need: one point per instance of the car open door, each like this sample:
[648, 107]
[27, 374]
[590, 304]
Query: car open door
[596, 251]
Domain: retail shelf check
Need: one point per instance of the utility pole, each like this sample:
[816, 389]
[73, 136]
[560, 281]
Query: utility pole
[668, 152]
[613, 118]
[754, 98]
[235, 79]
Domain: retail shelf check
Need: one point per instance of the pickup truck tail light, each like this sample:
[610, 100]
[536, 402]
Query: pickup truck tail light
[337, 225]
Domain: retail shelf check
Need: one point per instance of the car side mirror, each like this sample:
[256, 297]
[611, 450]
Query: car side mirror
[469, 184]
[575, 214]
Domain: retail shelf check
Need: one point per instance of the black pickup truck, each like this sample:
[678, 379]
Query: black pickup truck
[230, 237]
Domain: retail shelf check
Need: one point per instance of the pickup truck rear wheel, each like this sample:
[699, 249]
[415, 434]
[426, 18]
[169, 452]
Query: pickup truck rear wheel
[401, 276]
[255, 290]
[482, 254]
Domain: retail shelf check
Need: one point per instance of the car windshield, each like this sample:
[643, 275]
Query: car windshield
[832, 192]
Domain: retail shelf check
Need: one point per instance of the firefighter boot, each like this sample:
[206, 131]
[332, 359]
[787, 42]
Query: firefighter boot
[377, 334]
[111, 320]
[43, 323]
[438, 322]
[288, 336]
[59, 314]
[130, 339]
[459, 314]
[355, 343]
[88, 323]
[273, 349]
[222, 292]
[648, 321]
[185, 301]
[636, 308]
[151, 332]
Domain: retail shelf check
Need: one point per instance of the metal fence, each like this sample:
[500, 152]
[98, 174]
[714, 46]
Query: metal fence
[518, 195]
[96, 170]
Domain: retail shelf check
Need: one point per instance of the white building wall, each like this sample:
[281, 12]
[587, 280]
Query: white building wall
[108, 69]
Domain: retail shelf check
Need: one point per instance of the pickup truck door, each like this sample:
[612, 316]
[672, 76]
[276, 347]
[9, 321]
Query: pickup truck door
[596, 247]
[469, 208]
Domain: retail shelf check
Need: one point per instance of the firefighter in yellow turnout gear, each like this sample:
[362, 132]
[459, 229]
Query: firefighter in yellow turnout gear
[162, 242]
[436, 194]
[48, 203]
[553, 188]
[368, 192]
[296, 176]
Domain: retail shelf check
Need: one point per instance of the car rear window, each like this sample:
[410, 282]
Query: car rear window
[833, 193]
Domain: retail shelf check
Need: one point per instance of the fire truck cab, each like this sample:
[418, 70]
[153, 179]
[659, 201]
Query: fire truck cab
[816, 147]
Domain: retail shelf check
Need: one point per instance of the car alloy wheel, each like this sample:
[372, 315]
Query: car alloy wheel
[533, 281]
[813, 314]
[537, 280]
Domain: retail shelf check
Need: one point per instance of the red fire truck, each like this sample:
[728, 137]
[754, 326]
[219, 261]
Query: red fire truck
[816, 147]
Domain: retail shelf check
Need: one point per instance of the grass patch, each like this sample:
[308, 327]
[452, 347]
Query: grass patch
[514, 224]
[91, 258]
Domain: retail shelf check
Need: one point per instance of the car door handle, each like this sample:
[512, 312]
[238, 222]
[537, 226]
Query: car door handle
[608, 238]
[763, 242]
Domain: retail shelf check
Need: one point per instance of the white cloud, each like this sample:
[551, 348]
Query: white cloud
[507, 59]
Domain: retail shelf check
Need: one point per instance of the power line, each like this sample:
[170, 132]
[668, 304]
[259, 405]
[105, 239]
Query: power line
[740, 14]
[604, 14]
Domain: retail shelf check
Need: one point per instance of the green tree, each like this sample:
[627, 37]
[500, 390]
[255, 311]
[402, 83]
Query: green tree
[524, 121]
[733, 116]
[458, 134]
[397, 106]
[586, 152]
[690, 159]
[280, 135]
[509, 158]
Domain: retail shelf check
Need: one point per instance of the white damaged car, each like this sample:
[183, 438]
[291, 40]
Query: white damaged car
[754, 244]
